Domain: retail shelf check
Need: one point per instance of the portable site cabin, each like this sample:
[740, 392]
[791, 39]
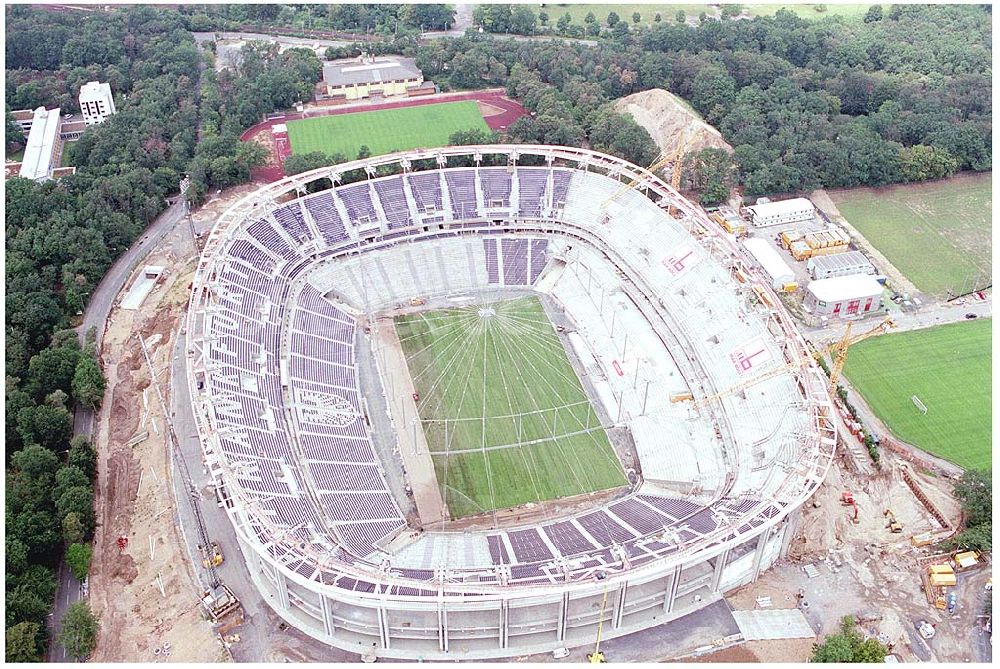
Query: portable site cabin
[767, 258]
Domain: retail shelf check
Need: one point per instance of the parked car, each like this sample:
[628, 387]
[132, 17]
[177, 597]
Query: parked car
[971, 316]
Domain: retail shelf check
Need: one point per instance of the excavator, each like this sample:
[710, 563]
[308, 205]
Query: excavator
[847, 499]
[893, 525]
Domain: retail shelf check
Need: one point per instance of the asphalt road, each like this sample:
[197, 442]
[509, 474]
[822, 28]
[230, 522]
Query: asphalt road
[68, 588]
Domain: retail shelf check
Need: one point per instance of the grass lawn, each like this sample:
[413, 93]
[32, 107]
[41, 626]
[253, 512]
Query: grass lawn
[579, 12]
[668, 12]
[16, 156]
[505, 416]
[937, 234]
[385, 130]
[949, 368]
[808, 11]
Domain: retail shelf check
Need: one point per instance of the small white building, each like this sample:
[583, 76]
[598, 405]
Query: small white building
[840, 264]
[844, 296]
[41, 152]
[96, 102]
[768, 259]
[778, 213]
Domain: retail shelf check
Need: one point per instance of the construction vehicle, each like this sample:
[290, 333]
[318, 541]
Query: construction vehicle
[966, 560]
[936, 581]
[211, 555]
[219, 601]
[894, 525]
[729, 220]
[847, 499]
[597, 657]
[920, 540]
[838, 351]
[926, 630]
[416, 301]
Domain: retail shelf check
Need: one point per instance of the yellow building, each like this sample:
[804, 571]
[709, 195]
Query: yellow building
[365, 76]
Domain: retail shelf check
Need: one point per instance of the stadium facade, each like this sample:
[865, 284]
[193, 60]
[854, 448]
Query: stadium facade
[288, 277]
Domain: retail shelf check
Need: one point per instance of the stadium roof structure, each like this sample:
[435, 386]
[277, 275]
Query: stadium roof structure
[42, 138]
[324, 538]
[370, 71]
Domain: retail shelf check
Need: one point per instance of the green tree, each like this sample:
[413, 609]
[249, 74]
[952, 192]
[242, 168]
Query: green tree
[613, 18]
[975, 492]
[848, 646]
[713, 174]
[304, 162]
[78, 500]
[680, 16]
[590, 18]
[732, 10]
[562, 25]
[975, 538]
[636, 17]
[78, 560]
[22, 643]
[89, 382]
[49, 426]
[364, 152]
[13, 135]
[79, 630]
[82, 455]
[72, 528]
[523, 21]
[543, 18]
[873, 14]
[657, 17]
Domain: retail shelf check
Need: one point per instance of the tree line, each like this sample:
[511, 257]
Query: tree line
[896, 97]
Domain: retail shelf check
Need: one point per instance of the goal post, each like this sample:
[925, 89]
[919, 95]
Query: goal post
[920, 405]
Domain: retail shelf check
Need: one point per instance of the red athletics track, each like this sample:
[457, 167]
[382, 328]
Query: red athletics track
[280, 149]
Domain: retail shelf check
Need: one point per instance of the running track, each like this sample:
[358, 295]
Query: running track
[494, 97]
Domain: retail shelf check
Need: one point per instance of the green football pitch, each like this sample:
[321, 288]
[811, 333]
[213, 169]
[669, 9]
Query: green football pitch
[938, 234]
[949, 369]
[385, 130]
[506, 419]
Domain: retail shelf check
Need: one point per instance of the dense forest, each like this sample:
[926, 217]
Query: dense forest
[903, 95]
[174, 117]
[383, 19]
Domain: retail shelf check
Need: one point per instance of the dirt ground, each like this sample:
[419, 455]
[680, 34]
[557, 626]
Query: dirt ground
[864, 569]
[666, 118]
[135, 501]
[135, 490]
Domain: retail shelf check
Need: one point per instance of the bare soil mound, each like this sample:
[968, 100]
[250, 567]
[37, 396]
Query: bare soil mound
[667, 118]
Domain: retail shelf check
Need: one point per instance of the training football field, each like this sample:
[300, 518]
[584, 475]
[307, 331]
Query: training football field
[938, 234]
[949, 368]
[505, 416]
[385, 130]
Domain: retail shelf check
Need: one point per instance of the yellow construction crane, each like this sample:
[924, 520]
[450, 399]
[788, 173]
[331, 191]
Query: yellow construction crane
[676, 157]
[597, 657]
[838, 350]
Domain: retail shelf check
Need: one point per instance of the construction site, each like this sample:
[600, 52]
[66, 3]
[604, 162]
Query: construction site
[176, 583]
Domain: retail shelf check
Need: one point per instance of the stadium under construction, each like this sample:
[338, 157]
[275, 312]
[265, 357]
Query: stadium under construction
[313, 434]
